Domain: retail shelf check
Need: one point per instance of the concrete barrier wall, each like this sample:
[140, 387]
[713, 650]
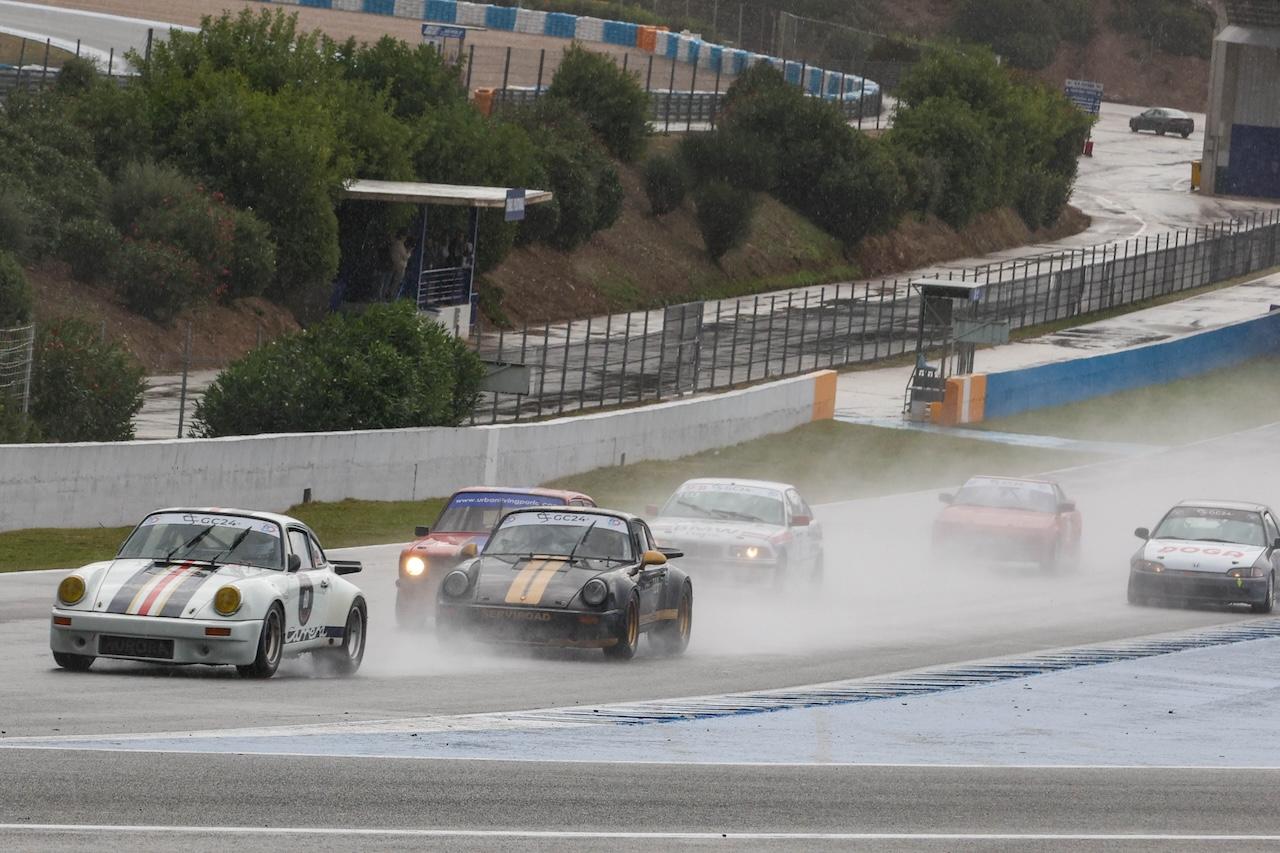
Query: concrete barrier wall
[113, 484]
[1060, 383]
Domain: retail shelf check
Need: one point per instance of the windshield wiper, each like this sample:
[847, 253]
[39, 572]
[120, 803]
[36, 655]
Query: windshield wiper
[581, 539]
[739, 516]
[189, 543]
[694, 506]
[235, 543]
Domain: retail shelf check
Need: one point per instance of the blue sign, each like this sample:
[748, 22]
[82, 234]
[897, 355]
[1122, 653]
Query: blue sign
[1085, 94]
[515, 205]
[433, 32]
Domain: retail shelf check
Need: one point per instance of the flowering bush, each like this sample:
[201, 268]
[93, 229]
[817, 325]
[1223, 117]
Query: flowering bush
[82, 387]
[158, 280]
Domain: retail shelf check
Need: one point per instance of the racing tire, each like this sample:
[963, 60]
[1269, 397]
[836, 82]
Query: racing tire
[75, 663]
[270, 646]
[1159, 132]
[1185, 135]
[628, 634]
[1269, 604]
[671, 638]
[346, 658]
[1133, 597]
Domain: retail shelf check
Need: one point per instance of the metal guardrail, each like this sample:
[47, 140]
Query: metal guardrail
[648, 356]
[17, 355]
[448, 286]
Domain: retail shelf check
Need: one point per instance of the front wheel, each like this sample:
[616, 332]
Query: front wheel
[672, 636]
[75, 663]
[628, 637]
[1269, 603]
[270, 646]
[1185, 135]
[346, 659]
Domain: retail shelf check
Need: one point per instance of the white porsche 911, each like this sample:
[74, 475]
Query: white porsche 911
[212, 586]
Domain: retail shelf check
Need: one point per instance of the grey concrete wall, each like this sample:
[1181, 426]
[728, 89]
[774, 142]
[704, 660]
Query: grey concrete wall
[113, 484]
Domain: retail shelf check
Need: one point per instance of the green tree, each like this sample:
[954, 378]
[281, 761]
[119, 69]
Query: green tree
[611, 99]
[724, 216]
[82, 387]
[665, 183]
[15, 293]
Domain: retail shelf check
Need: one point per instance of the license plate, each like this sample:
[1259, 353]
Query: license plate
[135, 647]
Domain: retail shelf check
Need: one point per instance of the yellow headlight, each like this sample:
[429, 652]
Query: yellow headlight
[415, 566]
[226, 600]
[71, 590]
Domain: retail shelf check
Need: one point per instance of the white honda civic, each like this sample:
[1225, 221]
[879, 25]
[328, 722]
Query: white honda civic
[213, 586]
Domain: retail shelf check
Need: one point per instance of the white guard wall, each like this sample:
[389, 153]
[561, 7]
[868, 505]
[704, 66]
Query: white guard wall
[114, 484]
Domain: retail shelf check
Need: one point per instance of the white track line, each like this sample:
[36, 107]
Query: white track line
[569, 835]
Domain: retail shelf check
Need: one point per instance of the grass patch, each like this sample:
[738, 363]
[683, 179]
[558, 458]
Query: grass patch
[342, 524]
[1215, 403]
[50, 548]
[12, 52]
[827, 461]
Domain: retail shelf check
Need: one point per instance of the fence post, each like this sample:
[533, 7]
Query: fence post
[542, 371]
[715, 96]
[502, 339]
[151, 34]
[524, 346]
[44, 71]
[564, 366]
[26, 380]
[768, 340]
[644, 356]
[693, 94]
[662, 354]
[604, 369]
[22, 58]
[715, 345]
[186, 368]
[111, 62]
[506, 73]
[786, 335]
[626, 347]
[471, 64]
[542, 61]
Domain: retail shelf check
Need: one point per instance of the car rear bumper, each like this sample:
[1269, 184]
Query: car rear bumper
[531, 625]
[1199, 586]
[190, 642]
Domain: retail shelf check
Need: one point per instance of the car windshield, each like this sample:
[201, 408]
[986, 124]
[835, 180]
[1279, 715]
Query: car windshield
[586, 536]
[1007, 494]
[1212, 524]
[206, 537]
[478, 512]
[726, 501]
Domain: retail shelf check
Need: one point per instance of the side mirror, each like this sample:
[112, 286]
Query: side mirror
[650, 509]
[671, 553]
[1067, 506]
[1275, 545]
[294, 563]
[1142, 533]
[654, 558]
[346, 567]
[468, 551]
[946, 497]
[420, 531]
[801, 521]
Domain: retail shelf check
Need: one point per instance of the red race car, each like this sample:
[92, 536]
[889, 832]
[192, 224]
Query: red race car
[1001, 519]
[467, 519]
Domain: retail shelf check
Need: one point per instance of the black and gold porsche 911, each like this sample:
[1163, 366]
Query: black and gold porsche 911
[581, 578]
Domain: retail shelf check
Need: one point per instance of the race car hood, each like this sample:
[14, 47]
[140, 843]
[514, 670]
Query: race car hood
[1184, 555]
[674, 531]
[448, 544]
[993, 518]
[145, 588]
[540, 582]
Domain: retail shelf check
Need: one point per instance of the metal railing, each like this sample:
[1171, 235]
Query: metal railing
[648, 356]
[450, 286]
[17, 354]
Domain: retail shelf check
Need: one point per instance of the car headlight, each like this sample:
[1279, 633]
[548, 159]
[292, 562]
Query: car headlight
[456, 584]
[750, 552]
[1148, 566]
[71, 590]
[1251, 572]
[595, 592]
[415, 566]
[226, 600]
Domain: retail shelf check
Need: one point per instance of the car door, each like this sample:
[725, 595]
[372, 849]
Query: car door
[306, 611]
[327, 602]
[1069, 526]
[815, 531]
[802, 550]
[651, 580]
[1273, 533]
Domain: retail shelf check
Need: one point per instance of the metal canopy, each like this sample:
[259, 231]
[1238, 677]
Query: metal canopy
[451, 195]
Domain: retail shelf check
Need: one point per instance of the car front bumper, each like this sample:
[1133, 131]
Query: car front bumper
[190, 642]
[994, 544]
[1198, 586]
[531, 625]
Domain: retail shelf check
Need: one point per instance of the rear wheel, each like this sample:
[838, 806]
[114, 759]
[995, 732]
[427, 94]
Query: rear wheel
[1186, 134]
[1160, 131]
[346, 658]
[628, 637]
[76, 663]
[270, 646]
[1269, 603]
[672, 637]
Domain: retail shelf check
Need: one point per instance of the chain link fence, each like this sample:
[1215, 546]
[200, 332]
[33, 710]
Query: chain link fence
[650, 356]
[17, 353]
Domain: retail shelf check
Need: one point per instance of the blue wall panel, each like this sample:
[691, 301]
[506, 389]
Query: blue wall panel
[1058, 384]
[444, 11]
[317, 4]
[380, 7]
[561, 25]
[500, 17]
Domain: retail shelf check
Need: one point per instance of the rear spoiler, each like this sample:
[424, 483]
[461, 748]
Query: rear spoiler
[346, 567]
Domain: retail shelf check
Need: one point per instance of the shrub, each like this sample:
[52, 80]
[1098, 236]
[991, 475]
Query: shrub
[143, 189]
[611, 99]
[253, 256]
[15, 427]
[92, 248]
[77, 76]
[15, 293]
[609, 198]
[387, 368]
[945, 131]
[82, 388]
[17, 225]
[158, 281]
[724, 216]
[665, 183]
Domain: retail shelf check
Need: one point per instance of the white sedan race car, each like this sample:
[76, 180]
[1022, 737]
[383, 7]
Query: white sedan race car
[741, 530]
[212, 586]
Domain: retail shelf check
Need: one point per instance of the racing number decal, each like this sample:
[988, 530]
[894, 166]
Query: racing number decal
[306, 597]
